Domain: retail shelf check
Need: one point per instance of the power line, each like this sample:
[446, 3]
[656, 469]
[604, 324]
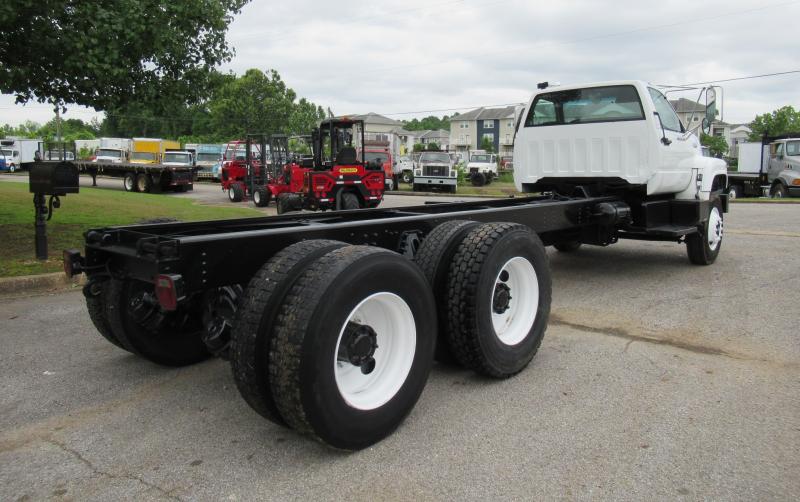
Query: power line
[722, 81]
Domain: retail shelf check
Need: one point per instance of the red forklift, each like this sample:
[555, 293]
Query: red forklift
[243, 169]
[335, 178]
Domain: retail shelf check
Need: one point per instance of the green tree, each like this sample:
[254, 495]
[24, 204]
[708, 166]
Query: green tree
[716, 144]
[487, 145]
[432, 147]
[781, 121]
[430, 123]
[304, 117]
[419, 147]
[105, 54]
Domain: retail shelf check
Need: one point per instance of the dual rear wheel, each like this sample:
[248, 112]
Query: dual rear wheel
[337, 341]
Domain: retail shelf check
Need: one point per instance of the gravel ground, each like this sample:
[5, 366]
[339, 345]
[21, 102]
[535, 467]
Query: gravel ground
[656, 380]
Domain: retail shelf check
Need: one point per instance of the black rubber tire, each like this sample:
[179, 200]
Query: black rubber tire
[418, 188]
[697, 246]
[143, 183]
[282, 203]
[348, 201]
[407, 177]
[453, 189]
[489, 178]
[253, 329]
[235, 193]
[478, 179]
[567, 246]
[434, 257]
[302, 376]
[734, 192]
[261, 197]
[182, 188]
[94, 292]
[779, 191]
[129, 182]
[471, 281]
[177, 342]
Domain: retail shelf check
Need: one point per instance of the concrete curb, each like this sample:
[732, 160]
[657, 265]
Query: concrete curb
[29, 285]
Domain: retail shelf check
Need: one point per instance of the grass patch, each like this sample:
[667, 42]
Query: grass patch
[89, 209]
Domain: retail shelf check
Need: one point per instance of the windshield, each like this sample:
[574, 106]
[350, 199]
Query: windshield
[143, 156]
[104, 152]
[793, 148]
[481, 158]
[594, 104]
[182, 158]
[208, 157]
[381, 157]
[6, 153]
[435, 157]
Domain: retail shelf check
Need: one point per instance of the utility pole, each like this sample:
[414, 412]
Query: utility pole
[58, 124]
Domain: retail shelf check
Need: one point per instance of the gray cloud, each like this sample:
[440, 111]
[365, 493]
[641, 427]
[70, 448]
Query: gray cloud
[360, 56]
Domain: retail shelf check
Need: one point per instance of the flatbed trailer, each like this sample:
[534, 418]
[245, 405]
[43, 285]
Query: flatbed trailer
[142, 177]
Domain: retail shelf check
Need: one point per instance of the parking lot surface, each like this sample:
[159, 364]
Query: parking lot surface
[656, 379]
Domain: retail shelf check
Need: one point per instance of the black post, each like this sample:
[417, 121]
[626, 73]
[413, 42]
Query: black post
[41, 226]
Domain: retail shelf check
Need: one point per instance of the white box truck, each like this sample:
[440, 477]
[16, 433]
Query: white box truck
[17, 153]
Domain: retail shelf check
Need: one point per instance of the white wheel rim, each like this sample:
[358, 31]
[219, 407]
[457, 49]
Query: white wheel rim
[715, 228]
[128, 183]
[257, 197]
[393, 322]
[514, 324]
[230, 193]
[732, 193]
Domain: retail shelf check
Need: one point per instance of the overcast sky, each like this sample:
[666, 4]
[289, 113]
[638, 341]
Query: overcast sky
[418, 55]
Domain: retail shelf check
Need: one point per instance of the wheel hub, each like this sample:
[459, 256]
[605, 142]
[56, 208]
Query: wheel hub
[358, 346]
[502, 298]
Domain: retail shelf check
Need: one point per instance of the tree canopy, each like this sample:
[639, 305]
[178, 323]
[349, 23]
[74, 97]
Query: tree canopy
[108, 53]
[781, 121]
[429, 123]
[716, 144]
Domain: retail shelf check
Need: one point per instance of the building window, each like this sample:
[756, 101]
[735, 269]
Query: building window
[510, 124]
[488, 124]
[489, 136]
[695, 119]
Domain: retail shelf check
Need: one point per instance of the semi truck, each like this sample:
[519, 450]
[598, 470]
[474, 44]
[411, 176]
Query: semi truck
[767, 168]
[18, 153]
[332, 321]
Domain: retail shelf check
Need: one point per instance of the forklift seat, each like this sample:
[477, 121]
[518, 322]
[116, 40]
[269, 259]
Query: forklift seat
[346, 156]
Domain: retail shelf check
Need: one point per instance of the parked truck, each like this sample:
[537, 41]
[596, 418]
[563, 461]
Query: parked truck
[206, 157]
[767, 168]
[481, 168]
[435, 170]
[18, 153]
[151, 150]
[112, 151]
[331, 322]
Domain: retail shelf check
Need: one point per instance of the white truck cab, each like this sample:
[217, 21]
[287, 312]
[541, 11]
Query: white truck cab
[178, 158]
[623, 133]
[482, 167]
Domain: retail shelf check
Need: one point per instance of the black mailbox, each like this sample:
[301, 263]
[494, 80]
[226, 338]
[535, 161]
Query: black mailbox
[53, 178]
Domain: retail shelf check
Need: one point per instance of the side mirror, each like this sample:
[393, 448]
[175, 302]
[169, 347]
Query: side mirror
[711, 106]
[666, 141]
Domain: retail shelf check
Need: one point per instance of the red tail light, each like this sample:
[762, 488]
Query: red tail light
[168, 291]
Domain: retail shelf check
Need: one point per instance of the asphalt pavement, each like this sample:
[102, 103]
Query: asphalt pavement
[656, 380]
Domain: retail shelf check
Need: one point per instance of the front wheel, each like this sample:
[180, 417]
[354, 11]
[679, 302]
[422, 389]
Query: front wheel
[779, 191]
[407, 177]
[734, 192]
[353, 346]
[235, 193]
[129, 182]
[261, 197]
[703, 246]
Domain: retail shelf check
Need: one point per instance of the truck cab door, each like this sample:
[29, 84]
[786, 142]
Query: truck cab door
[777, 162]
[676, 148]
